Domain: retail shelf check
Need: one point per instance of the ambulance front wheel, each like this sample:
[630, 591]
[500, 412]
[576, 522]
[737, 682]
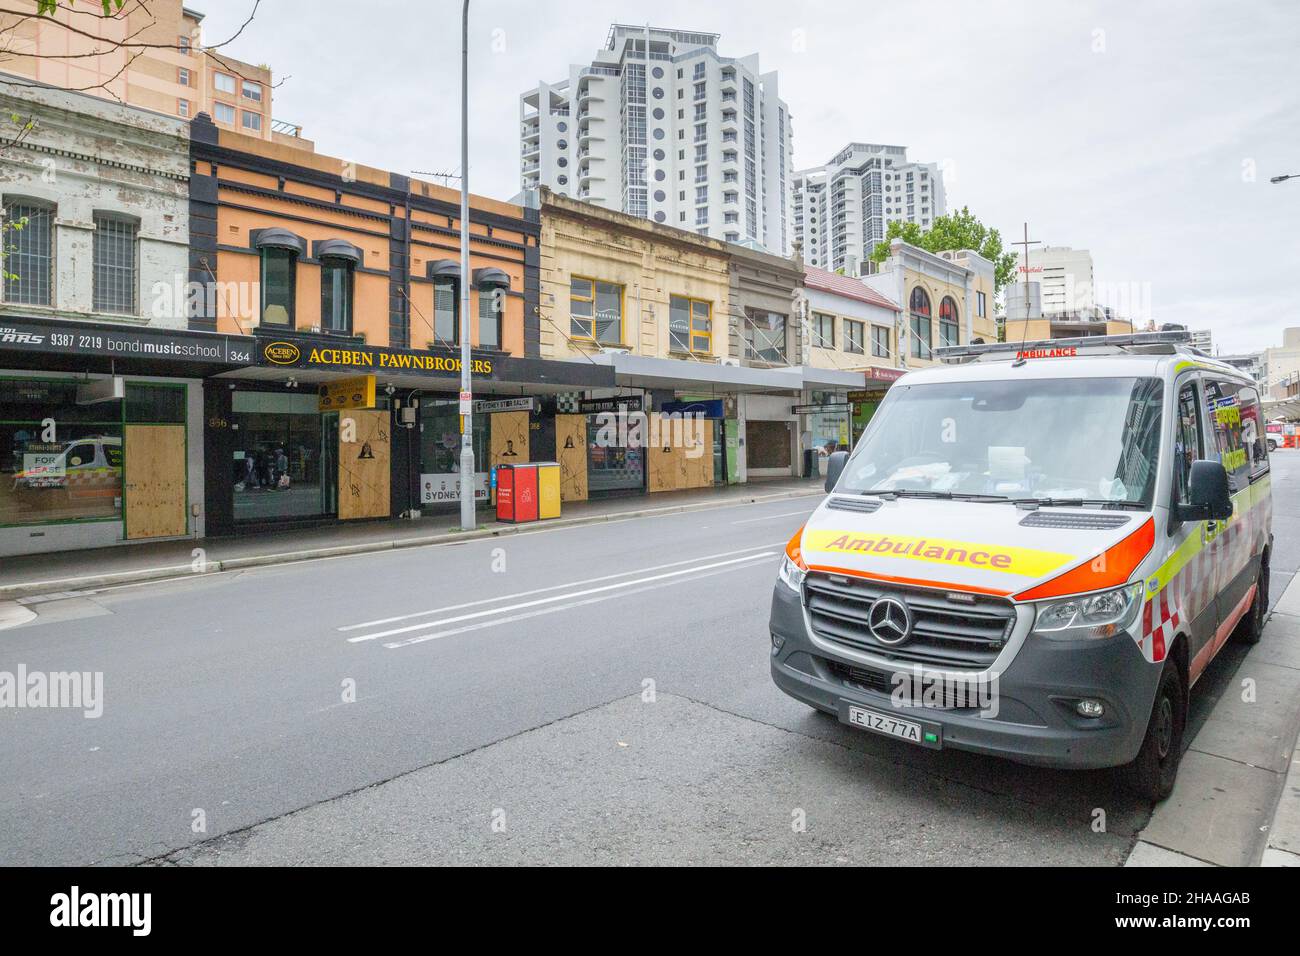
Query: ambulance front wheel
[1152, 773]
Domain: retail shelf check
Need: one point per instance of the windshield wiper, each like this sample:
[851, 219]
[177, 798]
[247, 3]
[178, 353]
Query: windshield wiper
[1078, 503]
[892, 493]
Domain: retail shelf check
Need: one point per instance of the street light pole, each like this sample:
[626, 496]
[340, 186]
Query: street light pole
[467, 518]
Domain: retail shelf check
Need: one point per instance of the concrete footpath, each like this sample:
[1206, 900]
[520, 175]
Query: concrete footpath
[30, 577]
[1237, 800]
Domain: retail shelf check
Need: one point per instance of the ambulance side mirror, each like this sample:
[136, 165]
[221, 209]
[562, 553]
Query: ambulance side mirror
[835, 467]
[1208, 496]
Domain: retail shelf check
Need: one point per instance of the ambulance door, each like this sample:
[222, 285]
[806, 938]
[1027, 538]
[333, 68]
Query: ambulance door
[1235, 568]
[1189, 591]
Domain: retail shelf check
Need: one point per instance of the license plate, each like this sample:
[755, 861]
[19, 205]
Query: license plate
[891, 726]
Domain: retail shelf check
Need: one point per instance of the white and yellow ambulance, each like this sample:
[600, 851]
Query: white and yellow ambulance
[1033, 552]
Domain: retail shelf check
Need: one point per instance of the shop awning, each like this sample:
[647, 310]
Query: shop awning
[643, 371]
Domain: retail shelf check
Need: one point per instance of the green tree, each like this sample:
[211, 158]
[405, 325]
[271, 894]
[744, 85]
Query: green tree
[961, 230]
[11, 135]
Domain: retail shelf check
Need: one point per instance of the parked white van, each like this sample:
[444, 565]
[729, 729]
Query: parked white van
[1033, 552]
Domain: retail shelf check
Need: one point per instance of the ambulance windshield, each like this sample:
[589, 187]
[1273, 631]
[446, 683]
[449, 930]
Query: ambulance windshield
[1093, 439]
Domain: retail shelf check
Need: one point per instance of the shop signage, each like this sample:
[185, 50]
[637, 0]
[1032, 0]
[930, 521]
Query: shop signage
[311, 353]
[358, 392]
[885, 374]
[438, 488]
[817, 409]
[622, 403]
[487, 406]
[707, 408]
[87, 339]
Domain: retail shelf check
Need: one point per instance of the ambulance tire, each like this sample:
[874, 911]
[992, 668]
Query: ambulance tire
[1251, 626]
[1152, 773]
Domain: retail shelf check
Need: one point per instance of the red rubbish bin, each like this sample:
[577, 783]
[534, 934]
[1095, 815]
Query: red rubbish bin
[517, 493]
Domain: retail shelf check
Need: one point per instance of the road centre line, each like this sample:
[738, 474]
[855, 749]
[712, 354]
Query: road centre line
[552, 609]
[553, 587]
[559, 597]
[784, 514]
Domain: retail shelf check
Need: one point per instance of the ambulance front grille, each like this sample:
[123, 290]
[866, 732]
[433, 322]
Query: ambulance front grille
[945, 632]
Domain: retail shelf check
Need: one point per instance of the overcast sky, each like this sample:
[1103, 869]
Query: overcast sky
[1144, 132]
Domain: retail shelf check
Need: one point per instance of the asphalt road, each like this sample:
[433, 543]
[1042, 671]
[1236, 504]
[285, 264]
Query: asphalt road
[588, 694]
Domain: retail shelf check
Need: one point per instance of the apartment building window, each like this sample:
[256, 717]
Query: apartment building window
[701, 132]
[701, 174]
[701, 194]
[947, 321]
[596, 310]
[880, 344]
[114, 255]
[223, 113]
[252, 91]
[700, 111]
[223, 83]
[700, 90]
[252, 121]
[764, 337]
[183, 76]
[699, 71]
[690, 325]
[183, 44]
[823, 329]
[853, 330]
[981, 304]
[702, 153]
[731, 217]
[336, 278]
[279, 275]
[29, 258]
[919, 304]
[702, 216]
[182, 107]
[446, 312]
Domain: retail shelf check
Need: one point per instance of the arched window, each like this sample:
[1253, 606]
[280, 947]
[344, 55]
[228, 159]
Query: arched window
[280, 250]
[948, 321]
[919, 306]
[493, 284]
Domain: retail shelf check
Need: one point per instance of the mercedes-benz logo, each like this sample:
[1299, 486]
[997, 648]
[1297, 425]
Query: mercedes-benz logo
[890, 620]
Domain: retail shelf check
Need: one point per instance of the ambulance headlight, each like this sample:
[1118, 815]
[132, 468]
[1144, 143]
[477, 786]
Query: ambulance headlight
[1090, 616]
[792, 575]
[793, 569]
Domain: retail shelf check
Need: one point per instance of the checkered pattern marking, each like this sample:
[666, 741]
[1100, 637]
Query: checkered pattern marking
[1192, 587]
[566, 403]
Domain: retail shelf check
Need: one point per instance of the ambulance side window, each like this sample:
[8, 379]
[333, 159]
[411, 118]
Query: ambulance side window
[1223, 405]
[1187, 439]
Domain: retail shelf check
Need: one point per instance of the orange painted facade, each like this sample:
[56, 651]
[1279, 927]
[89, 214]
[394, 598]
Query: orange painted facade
[400, 226]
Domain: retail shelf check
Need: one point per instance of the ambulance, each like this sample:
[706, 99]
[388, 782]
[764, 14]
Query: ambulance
[1033, 552]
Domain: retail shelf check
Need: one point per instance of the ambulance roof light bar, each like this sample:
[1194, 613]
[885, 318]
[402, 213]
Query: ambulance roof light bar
[1102, 343]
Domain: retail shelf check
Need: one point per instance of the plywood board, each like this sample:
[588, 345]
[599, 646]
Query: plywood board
[681, 455]
[509, 440]
[154, 481]
[571, 453]
[365, 464]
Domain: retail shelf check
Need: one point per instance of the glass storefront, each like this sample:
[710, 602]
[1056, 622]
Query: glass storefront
[285, 461]
[831, 428]
[615, 452]
[440, 453]
[62, 450]
[59, 460]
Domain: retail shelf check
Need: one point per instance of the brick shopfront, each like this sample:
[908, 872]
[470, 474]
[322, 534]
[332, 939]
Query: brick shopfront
[316, 431]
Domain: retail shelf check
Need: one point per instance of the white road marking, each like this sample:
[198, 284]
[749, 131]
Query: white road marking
[554, 587]
[559, 597]
[480, 625]
[784, 514]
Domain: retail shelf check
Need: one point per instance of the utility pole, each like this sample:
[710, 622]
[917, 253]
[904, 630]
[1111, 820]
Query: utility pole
[467, 517]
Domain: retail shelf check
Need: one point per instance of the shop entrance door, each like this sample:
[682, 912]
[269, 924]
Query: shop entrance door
[154, 481]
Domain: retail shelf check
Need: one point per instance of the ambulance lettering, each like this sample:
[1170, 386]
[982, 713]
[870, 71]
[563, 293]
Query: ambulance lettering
[1025, 562]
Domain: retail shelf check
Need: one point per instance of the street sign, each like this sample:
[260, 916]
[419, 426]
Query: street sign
[466, 403]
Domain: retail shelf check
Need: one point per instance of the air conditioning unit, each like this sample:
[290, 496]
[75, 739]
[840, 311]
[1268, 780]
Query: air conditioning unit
[615, 350]
[733, 362]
